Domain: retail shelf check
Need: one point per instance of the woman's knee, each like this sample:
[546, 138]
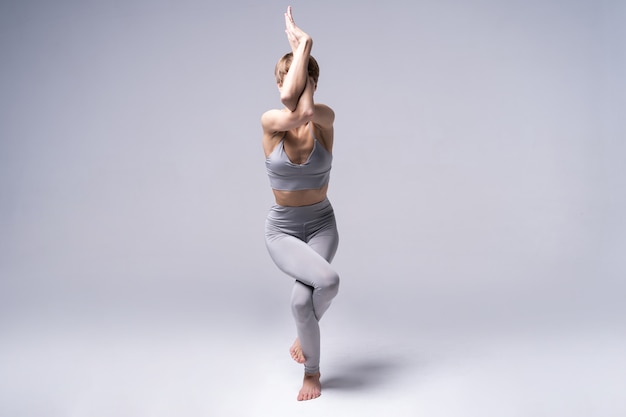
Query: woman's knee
[330, 284]
[301, 305]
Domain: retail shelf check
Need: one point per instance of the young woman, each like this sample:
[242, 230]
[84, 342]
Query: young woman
[301, 233]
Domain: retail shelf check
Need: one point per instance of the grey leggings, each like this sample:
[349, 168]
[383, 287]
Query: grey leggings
[302, 241]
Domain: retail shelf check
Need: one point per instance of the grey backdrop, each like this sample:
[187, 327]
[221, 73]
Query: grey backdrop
[478, 177]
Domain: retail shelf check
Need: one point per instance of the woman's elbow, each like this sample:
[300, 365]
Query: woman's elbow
[289, 101]
[308, 113]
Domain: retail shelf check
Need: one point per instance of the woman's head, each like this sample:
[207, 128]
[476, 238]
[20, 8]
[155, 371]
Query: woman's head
[282, 67]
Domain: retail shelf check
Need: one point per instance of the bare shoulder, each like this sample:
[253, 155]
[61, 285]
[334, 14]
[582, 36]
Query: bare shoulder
[271, 136]
[268, 118]
[323, 121]
[324, 113]
[324, 117]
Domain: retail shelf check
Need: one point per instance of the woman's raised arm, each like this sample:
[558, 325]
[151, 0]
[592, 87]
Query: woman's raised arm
[296, 78]
[282, 120]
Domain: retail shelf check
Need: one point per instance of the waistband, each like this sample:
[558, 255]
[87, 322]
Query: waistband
[311, 211]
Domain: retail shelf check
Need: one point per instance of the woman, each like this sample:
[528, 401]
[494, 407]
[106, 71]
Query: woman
[301, 234]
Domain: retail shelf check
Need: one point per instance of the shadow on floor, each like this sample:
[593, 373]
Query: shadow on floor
[363, 373]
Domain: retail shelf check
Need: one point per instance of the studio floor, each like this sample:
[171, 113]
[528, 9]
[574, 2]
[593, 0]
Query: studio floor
[182, 368]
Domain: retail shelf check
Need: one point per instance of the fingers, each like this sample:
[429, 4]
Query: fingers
[290, 25]
[294, 33]
[289, 19]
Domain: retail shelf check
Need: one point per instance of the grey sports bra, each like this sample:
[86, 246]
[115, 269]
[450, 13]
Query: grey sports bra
[284, 175]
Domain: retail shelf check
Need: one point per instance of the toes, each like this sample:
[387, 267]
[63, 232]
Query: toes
[308, 395]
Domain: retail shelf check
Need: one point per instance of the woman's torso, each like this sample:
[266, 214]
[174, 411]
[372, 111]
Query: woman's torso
[298, 145]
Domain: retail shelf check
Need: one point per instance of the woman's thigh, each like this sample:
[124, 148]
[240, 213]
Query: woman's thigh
[302, 261]
[325, 243]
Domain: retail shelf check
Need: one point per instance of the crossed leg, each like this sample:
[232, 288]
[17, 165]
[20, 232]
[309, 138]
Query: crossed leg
[316, 284]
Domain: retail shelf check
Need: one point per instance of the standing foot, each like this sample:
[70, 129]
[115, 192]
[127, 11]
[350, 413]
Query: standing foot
[296, 352]
[311, 387]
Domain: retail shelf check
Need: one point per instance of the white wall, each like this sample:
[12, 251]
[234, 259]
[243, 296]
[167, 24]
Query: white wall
[478, 158]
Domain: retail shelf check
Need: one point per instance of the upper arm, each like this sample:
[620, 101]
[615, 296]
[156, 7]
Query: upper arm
[280, 121]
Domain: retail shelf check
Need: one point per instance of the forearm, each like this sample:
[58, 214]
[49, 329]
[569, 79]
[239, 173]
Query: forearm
[306, 102]
[305, 107]
[280, 121]
[296, 79]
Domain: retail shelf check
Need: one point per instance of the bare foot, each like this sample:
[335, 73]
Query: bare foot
[311, 387]
[296, 352]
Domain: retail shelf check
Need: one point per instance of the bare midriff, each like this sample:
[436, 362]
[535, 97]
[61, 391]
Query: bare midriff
[300, 197]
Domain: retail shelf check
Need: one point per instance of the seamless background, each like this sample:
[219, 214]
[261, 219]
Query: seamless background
[478, 183]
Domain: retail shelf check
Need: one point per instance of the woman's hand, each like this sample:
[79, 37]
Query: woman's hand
[295, 35]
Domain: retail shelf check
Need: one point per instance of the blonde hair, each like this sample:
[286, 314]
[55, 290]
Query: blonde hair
[283, 64]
